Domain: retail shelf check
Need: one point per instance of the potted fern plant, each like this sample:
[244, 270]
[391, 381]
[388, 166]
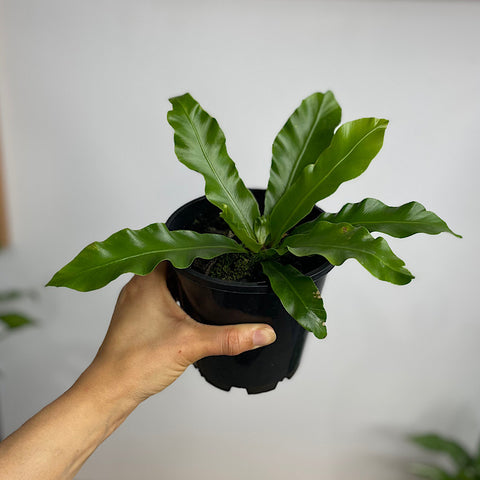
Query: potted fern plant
[262, 255]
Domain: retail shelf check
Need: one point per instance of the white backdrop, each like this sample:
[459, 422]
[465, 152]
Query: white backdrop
[84, 88]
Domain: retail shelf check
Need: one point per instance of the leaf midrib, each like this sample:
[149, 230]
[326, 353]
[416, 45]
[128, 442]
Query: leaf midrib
[225, 189]
[295, 209]
[361, 222]
[340, 247]
[293, 171]
[293, 289]
[151, 252]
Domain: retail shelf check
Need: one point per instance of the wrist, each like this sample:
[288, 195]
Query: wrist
[106, 395]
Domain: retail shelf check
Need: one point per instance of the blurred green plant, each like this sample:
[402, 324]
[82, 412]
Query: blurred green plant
[465, 466]
[11, 319]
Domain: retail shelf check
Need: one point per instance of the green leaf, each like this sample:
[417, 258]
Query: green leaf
[450, 447]
[477, 458]
[261, 229]
[139, 251]
[338, 242]
[431, 472]
[353, 147]
[11, 295]
[400, 222]
[15, 320]
[299, 143]
[200, 145]
[299, 296]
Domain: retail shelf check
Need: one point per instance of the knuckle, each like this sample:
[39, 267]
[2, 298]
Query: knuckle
[232, 342]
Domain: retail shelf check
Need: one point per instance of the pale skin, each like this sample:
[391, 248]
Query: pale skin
[149, 344]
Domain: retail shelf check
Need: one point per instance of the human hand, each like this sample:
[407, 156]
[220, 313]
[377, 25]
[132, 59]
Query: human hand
[149, 343]
[151, 340]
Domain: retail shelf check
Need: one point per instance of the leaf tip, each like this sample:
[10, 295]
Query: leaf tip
[322, 334]
[409, 276]
[176, 99]
[52, 282]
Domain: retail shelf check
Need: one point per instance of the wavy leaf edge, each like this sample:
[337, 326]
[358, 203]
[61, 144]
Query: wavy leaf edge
[378, 258]
[304, 136]
[363, 214]
[180, 257]
[299, 296]
[321, 179]
[201, 146]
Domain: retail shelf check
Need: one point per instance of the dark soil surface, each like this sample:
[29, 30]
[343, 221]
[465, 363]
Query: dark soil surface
[238, 266]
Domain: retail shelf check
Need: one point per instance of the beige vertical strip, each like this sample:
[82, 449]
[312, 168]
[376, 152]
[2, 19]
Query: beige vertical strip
[3, 208]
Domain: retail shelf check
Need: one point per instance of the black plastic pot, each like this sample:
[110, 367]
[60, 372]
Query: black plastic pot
[218, 302]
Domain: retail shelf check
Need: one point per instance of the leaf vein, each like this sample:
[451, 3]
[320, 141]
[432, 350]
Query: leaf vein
[220, 181]
[299, 204]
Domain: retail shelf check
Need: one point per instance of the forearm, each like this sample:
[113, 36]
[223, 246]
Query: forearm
[55, 443]
[149, 343]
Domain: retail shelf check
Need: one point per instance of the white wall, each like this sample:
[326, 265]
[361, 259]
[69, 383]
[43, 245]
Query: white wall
[84, 88]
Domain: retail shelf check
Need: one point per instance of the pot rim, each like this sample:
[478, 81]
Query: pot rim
[231, 285]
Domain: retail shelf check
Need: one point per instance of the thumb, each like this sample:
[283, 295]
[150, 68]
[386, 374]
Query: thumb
[232, 339]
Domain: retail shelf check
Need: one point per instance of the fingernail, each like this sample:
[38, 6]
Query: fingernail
[263, 336]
